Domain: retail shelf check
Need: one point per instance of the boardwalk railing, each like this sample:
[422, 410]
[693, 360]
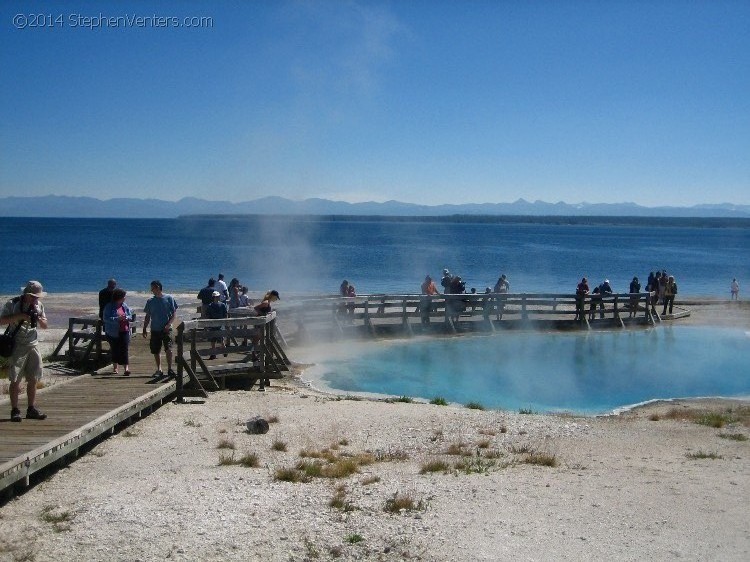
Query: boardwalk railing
[84, 338]
[209, 351]
[488, 310]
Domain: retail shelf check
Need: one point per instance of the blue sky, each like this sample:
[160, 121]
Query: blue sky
[428, 102]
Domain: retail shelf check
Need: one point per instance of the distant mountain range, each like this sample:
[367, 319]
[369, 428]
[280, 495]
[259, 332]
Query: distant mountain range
[89, 207]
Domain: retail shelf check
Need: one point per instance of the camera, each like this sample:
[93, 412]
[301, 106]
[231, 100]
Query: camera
[33, 316]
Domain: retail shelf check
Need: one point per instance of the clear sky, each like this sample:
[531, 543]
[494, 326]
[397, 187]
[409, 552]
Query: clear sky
[419, 101]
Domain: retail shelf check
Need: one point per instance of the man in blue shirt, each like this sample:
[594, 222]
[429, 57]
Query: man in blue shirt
[160, 312]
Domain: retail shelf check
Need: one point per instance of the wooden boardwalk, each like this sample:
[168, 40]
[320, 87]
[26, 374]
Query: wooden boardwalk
[78, 411]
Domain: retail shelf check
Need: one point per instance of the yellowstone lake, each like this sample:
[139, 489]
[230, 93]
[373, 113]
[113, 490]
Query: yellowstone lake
[582, 372]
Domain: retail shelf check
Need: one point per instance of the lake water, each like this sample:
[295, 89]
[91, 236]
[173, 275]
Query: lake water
[585, 372]
[306, 255]
[309, 255]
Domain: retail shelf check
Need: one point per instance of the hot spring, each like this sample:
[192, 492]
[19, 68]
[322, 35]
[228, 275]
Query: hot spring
[583, 372]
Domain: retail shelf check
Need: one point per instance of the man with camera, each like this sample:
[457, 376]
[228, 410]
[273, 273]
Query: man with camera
[24, 315]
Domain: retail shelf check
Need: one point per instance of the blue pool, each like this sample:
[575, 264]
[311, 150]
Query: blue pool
[585, 372]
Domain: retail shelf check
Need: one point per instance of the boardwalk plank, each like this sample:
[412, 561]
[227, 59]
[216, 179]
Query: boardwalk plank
[78, 410]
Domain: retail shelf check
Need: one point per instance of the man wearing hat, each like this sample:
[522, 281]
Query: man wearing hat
[24, 315]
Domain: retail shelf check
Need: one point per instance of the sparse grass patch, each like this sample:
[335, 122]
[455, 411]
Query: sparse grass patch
[312, 550]
[734, 436]
[325, 454]
[405, 399]
[249, 460]
[654, 417]
[474, 465]
[503, 429]
[129, 433]
[715, 419]
[225, 444]
[526, 411]
[392, 454]
[343, 442]
[339, 468]
[483, 443]
[520, 449]
[474, 406]
[540, 459]
[703, 455]
[492, 454]
[354, 538]
[339, 501]
[458, 448]
[709, 418]
[436, 465]
[290, 475]
[485, 431]
[311, 469]
[437, 434]
[439, 401]
[226, 459]
[402, 502]
[273, 418]
[279, 445]
[336, 551]
[191, 423]
[58, 518]
[370, 480]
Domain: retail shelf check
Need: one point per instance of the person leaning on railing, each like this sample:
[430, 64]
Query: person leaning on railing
[581, 291]
[262, 309]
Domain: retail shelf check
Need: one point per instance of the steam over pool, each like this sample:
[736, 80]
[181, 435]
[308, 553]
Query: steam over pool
[586, 372]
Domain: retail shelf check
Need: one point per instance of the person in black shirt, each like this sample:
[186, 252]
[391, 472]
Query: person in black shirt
[105, 295]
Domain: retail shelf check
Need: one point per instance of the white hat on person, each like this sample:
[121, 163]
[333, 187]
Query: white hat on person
[34, 288]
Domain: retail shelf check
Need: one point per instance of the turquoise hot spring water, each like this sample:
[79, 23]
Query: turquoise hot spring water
[582, 372]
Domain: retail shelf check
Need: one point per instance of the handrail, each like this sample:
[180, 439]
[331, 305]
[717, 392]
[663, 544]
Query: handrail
[490, 306]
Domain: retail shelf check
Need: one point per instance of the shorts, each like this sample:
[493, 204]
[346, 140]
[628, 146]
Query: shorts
[159, 339]
[26, 360]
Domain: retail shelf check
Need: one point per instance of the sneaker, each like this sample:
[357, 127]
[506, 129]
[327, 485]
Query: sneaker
[157, 374]
[126, 373]
[15, 415]
[212, 357]
[171, 374]
[34, 414]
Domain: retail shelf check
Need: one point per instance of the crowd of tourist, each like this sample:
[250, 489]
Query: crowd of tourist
[24, 315]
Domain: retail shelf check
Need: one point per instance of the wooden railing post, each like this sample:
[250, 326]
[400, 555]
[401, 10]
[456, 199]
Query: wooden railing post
[98, 332]
[181, 356]
[71, 342]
